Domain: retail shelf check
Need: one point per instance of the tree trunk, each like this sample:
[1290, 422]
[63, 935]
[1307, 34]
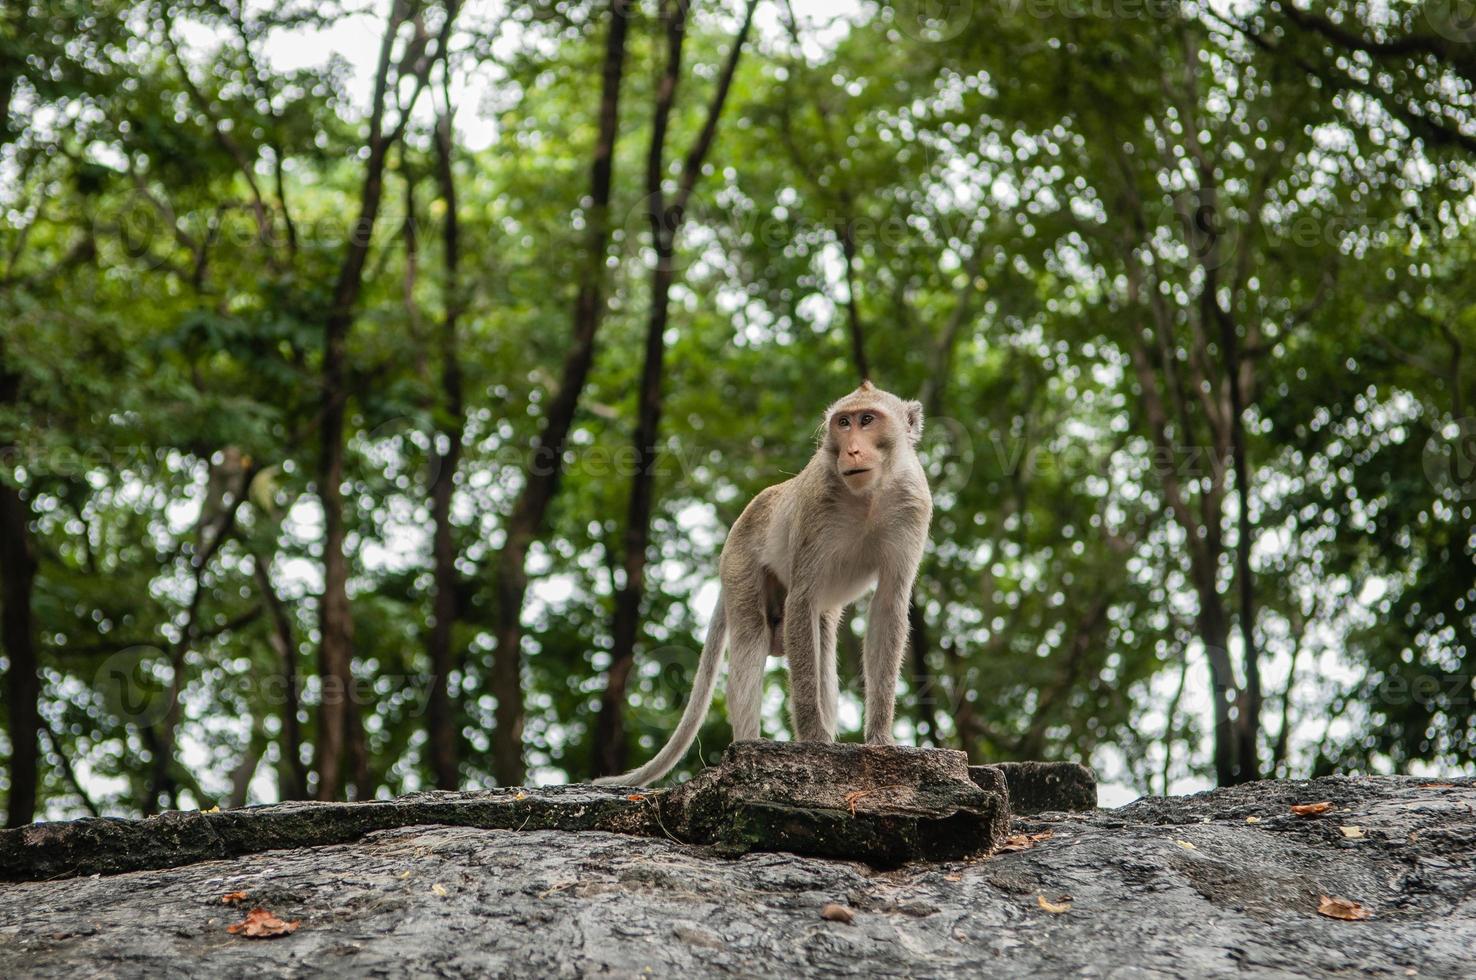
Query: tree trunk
[441, 711]
[1248, 721]
[292, 775]
[853, 312]
[17, 630]
[1214, 633]
[245, 771]
[610, 748]
[340, 728]
[924, 693]
[334, 617]
[610, 742]
[966, 724]
[923, 683]
[546, 466]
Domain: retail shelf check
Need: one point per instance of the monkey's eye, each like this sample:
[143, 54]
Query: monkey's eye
[867, 419]
[843, 422]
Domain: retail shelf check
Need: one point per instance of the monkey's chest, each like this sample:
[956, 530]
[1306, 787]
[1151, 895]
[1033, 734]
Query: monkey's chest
[854, 568]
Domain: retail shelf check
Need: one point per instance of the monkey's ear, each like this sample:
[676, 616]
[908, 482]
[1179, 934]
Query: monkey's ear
[914, 421]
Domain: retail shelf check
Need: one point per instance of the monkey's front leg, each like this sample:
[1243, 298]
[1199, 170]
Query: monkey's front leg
[886, 636]
[802, 649]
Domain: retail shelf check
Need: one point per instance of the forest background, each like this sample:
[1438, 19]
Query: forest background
[377, 379]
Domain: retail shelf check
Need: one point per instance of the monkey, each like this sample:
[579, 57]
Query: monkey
[854, 520]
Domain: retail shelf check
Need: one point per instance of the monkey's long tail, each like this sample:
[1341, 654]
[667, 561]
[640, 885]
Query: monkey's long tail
[671, 753]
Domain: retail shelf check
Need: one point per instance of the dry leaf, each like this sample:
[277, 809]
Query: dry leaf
[214, 809]
[1186, 845]
[1253, 820]
[1437, 785]
[1055, 908]
[521, 795]
[953, 877]
[1023, 842]
[853, 796]
[231, 898]
[439, 889]
[636, 797]
[1311, 809]
[1341, 908]
[261, 924]
[405, 874]
[1352, 832]
[832, 912]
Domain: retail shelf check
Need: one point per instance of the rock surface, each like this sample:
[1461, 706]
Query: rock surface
[1162, 887]
[1041, 787]
[881, 804]
[108, 846]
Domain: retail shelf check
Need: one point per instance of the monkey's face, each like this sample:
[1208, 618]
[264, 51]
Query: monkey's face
[867, 432]
[863, 440]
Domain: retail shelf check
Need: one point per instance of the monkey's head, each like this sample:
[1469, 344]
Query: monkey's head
[867, 433]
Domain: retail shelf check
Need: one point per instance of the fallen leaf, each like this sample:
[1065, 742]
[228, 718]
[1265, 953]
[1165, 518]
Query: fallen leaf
[1252, 820]
[231, 898]
[1341, 908]
[1023, 842]
[261, 924]
[1311, 809]
[214, 809]
[439, 889]
[832, 912]
[636, 797]
[405, 874]
[1437, 785]
[1186, 845]
[853, 796]
[1055, 908]
[1352, 832]
[953, 877]
[521, 795]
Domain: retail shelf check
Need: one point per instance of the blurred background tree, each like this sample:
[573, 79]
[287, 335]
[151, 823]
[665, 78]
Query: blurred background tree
[377, 379]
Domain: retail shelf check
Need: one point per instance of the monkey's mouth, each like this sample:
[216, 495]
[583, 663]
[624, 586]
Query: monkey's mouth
[855, 472]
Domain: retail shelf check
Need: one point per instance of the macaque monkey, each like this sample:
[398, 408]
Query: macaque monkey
[856, 517]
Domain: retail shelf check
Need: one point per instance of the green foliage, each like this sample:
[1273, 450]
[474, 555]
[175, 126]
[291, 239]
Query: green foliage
[1015, 201]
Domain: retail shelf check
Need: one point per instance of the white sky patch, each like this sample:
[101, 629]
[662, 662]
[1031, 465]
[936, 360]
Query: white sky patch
[356, 37]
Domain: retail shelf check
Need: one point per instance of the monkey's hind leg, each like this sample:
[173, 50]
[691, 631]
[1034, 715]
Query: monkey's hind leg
[748, 654]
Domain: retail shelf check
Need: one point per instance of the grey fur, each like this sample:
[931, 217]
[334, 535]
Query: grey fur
[812, 546]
